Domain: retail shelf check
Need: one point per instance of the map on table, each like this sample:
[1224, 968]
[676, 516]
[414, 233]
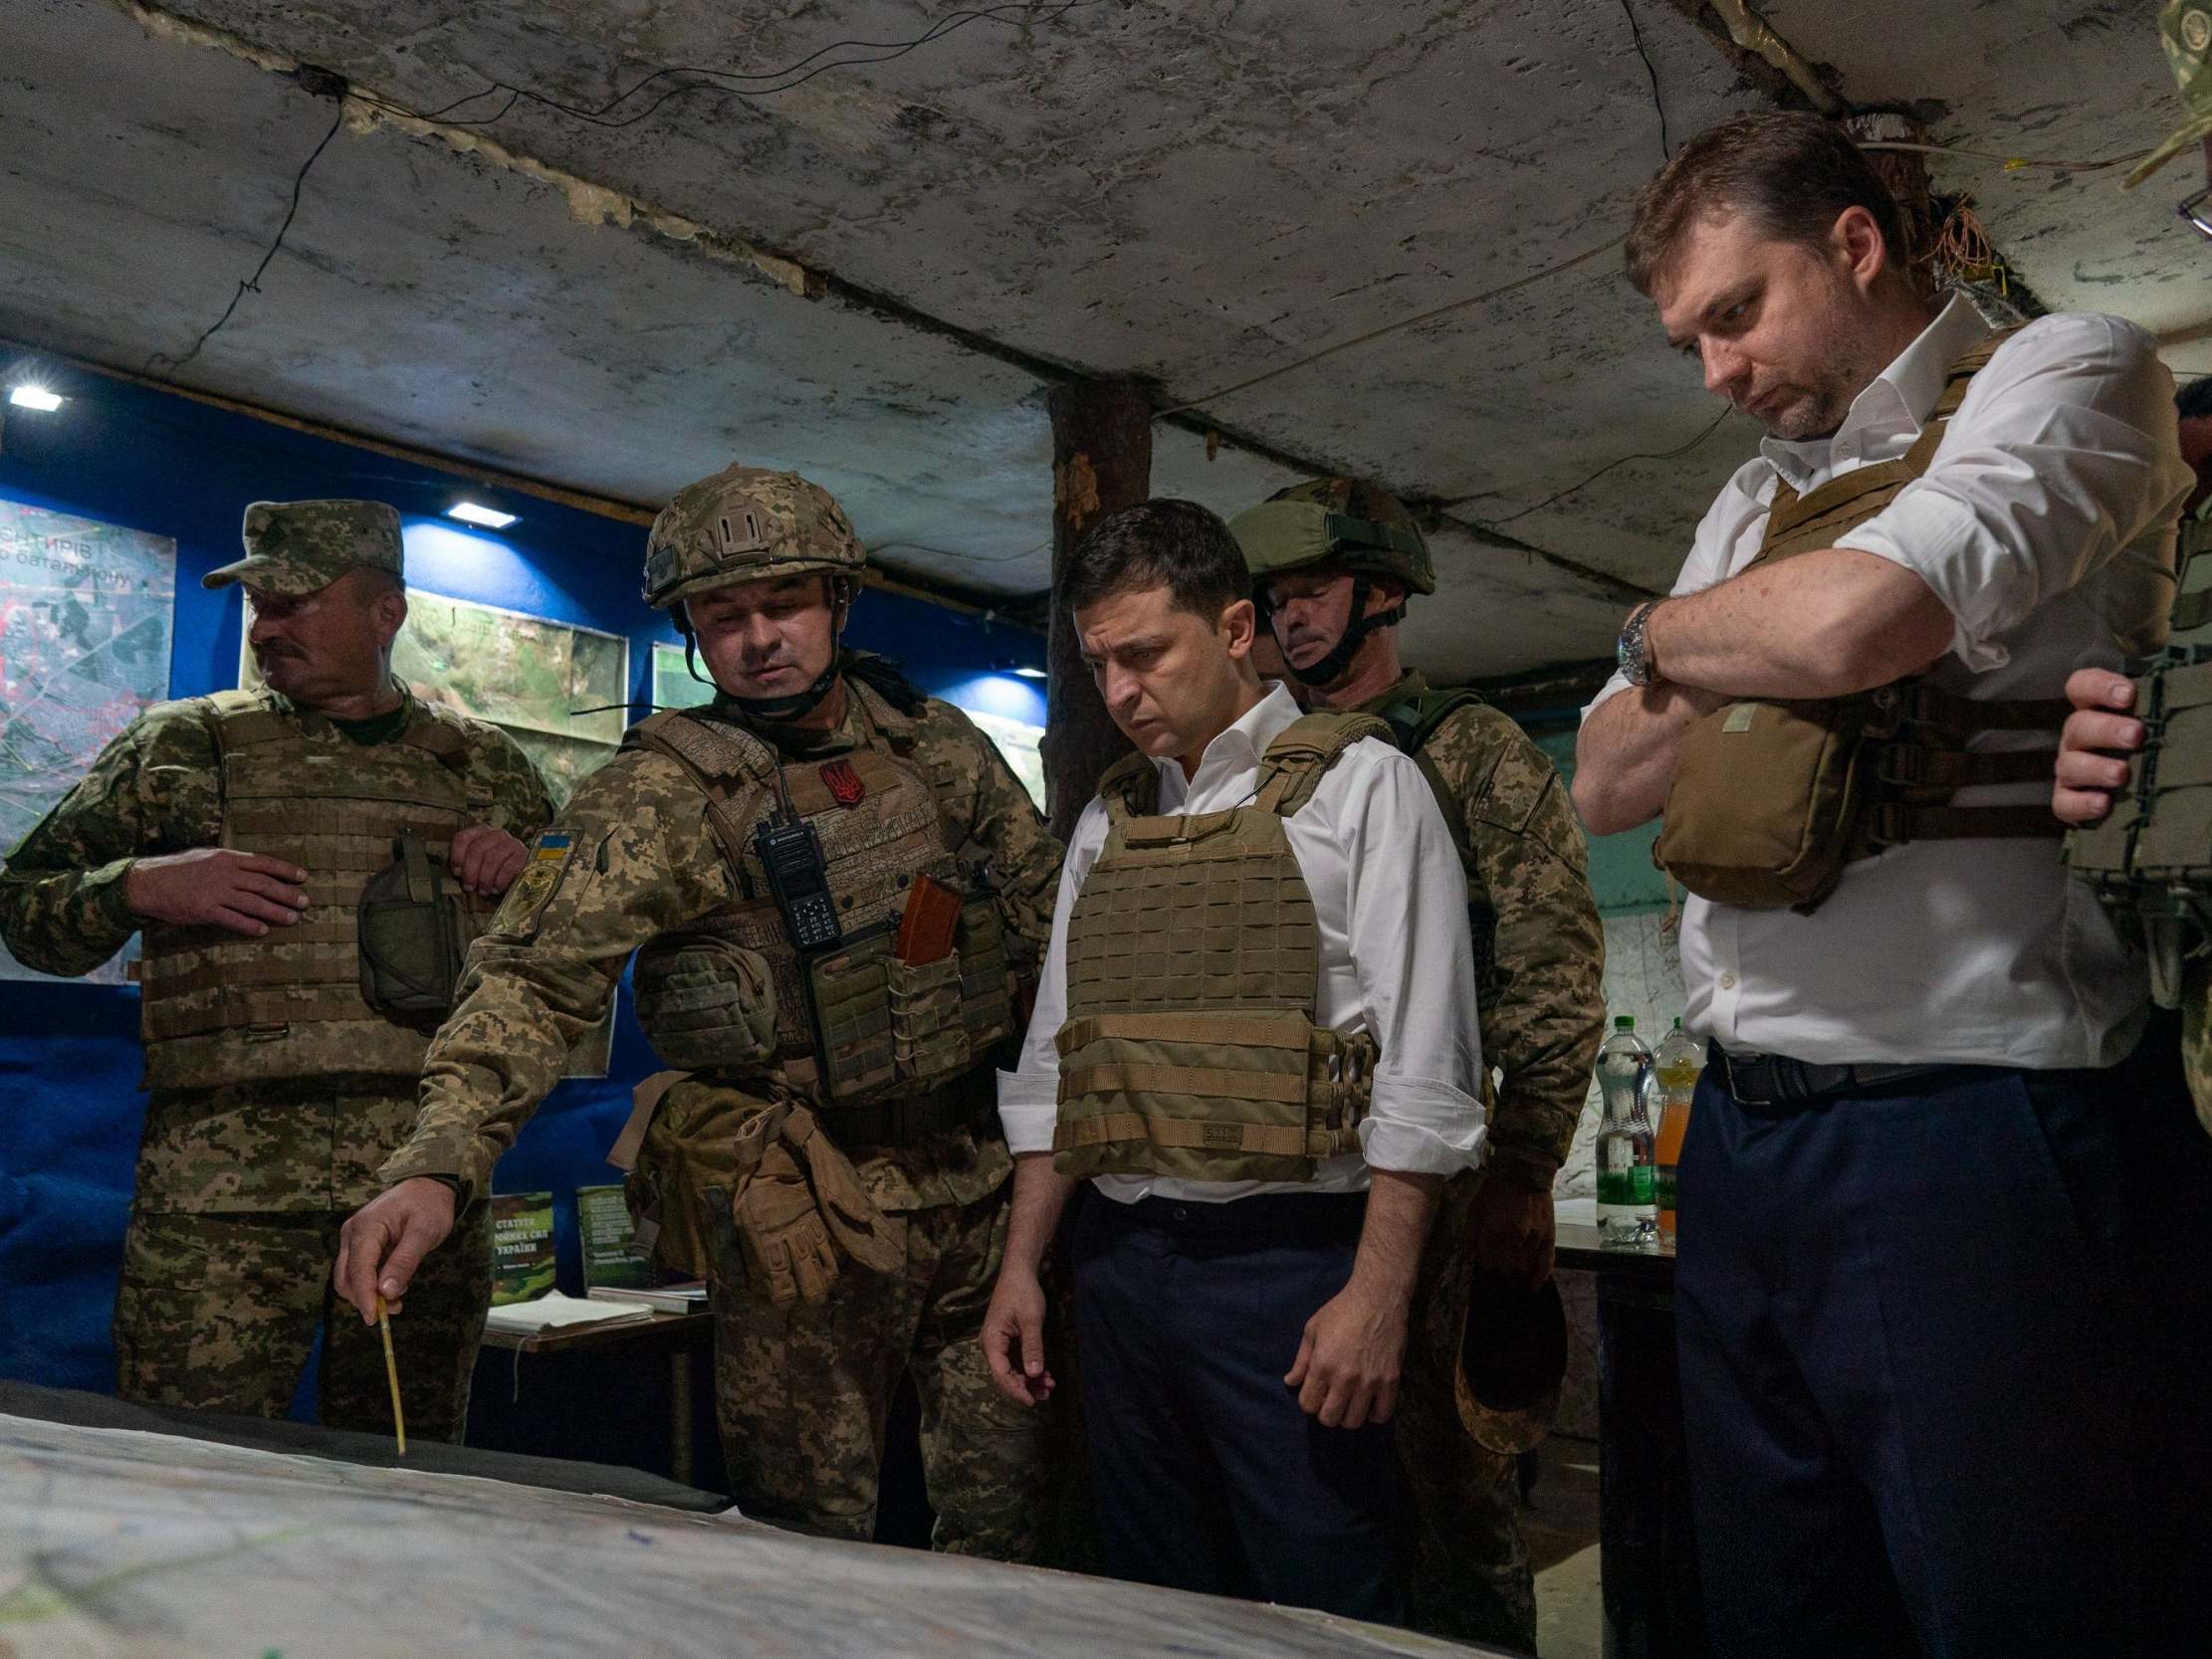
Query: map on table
[86, 613]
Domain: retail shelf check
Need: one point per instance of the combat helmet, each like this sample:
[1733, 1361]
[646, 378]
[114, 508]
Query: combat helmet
[1345, 523]
[746, 524]
[751, 524]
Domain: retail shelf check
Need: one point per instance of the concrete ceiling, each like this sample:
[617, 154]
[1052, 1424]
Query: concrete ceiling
[872, 274]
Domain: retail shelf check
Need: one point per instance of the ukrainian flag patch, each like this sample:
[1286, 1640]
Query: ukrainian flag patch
[553, 846]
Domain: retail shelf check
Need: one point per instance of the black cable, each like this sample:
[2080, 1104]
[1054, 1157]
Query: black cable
[1583, 484]
[715, 79]
[252, 284]
[1666, 150]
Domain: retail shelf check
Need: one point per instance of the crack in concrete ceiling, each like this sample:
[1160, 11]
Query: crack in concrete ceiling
[1191, 193]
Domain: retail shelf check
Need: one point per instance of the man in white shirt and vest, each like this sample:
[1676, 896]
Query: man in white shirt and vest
[1940, 1181]
[1255, 1042]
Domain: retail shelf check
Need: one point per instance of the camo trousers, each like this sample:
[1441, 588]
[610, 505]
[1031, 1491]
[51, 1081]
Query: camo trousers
[219, 1311]
[1470, 1577]
[803, 1393]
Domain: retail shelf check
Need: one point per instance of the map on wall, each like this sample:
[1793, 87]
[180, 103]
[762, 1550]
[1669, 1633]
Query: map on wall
[558, 690]
[86, 611]
[672, 685]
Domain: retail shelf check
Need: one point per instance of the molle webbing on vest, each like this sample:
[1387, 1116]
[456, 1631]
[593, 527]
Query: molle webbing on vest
[221, 1007]
[1192, 964]
[853, 1025]
[1772, 799]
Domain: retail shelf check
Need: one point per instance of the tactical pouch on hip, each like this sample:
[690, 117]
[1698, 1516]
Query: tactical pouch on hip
[706, 1004]
[1223, 1095]
[413, 927]
[1765, 802]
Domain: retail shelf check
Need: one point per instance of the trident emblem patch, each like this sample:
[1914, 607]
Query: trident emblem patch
[845, 786]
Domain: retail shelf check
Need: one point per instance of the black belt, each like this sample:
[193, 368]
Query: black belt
[1775, 1081]
[959, 1104]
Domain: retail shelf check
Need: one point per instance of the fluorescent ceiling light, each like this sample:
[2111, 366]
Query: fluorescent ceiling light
[1028, 673]
[35, 397]
[471, 514]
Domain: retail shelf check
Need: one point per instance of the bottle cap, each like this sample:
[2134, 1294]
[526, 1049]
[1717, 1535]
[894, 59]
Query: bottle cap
[1624, 1022]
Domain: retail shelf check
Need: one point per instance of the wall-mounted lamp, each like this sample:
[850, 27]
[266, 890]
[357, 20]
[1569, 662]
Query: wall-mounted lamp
[35, 397]
[469, 513]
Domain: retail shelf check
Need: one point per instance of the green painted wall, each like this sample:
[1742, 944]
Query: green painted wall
[1621, 870]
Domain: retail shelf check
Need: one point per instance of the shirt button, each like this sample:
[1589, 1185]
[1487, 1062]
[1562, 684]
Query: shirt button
[1728, 981]
[1181, 1215]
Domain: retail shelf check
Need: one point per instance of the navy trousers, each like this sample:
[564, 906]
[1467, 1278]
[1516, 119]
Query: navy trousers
[1208, 1475]
[1944, 1353]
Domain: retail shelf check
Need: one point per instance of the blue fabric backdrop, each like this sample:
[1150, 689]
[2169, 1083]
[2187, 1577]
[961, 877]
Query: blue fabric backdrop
[70, 1110]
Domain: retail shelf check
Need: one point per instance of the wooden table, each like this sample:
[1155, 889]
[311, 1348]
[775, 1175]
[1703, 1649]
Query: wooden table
[1648, 1561]
[680, 1337]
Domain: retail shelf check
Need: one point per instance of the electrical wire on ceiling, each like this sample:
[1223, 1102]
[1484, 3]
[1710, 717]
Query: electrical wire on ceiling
[2013, 163]
[964, 558]
[1580, 484]
[734, 83]
[1636, 34]
[252, 284]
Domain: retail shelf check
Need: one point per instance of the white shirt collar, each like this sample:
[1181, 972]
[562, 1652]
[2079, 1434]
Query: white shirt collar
[1895, 406]
[1234, 754]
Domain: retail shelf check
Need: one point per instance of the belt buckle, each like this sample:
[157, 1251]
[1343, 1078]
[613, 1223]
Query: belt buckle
[1729, 1062]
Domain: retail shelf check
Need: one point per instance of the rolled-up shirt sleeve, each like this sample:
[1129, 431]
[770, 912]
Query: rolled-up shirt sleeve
[1407, 920]
[1029, 1094]
[2062, 454]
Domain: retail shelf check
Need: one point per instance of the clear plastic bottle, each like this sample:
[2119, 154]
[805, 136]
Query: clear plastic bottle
[1628, 1180]
[1675, 1069]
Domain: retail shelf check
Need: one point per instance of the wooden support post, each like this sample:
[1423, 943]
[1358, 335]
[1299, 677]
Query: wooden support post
[1101, 463]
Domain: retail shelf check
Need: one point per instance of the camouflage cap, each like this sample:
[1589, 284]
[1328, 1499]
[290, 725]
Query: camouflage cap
[296, 547]
[2186, 27]
[1335, 521]
[1513, 1360]
[746, 524]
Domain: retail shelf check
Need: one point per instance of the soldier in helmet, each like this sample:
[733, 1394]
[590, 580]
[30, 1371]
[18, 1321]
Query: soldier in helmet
[832, 882]
[1334, 562]
[239, 832]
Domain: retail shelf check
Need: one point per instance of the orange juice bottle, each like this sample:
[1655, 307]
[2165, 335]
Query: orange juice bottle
[1676, 1067]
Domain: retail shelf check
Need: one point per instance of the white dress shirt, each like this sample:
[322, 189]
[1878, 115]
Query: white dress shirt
[2046, 524]
[1391, 904]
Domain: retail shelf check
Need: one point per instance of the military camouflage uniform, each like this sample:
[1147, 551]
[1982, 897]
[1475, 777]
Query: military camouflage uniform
[1539, 985]
[805, 1390]
[241, 1188]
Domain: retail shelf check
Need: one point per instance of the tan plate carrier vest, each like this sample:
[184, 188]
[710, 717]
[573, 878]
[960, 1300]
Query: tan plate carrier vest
[217, 1007]
[2150, 859]
[1193, 966]
[853, 1024]
[1772, 799]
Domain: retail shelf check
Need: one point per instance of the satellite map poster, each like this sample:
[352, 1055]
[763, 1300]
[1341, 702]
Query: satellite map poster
[86, 615]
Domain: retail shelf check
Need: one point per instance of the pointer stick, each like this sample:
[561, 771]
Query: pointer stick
[391, 1372]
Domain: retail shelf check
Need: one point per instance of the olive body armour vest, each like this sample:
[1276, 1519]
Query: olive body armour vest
[852, 1023]
[1772, 799]
[2150, 859]
[1193, 963]
[218, 1007]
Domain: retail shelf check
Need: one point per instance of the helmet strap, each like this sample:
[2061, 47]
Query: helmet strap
[1329, 668]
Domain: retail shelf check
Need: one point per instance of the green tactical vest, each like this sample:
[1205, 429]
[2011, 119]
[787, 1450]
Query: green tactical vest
[2150, 860]
[852, 1025]
[218, 1007]
[1194, 961]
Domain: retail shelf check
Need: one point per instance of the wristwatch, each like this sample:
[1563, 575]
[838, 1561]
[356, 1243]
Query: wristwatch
[1632, 655]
